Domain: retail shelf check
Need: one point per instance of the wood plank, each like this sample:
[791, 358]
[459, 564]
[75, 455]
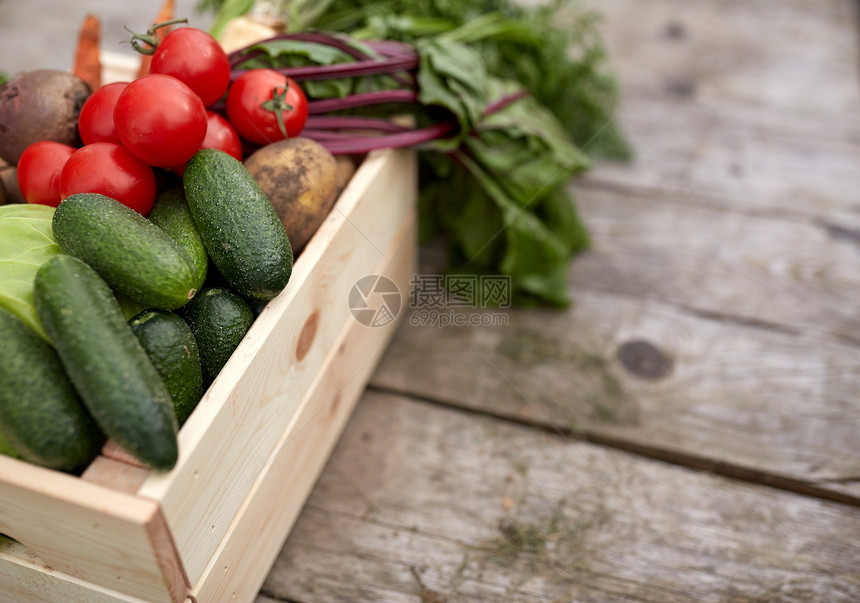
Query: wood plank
[746, 104]
[26, 577]
[740, 158]
[774, 402]
[111, 539]
[117, 475]
[789, 55]
[202, 494]
[797, 275]
[423, 502]
[241, 563]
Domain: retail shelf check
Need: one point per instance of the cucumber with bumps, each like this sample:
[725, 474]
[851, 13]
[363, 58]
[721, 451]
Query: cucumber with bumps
[238, 225]
[41, 414]
[219, 320]
[171, 347]
[171, 214]
[105, 362]
[133, 255]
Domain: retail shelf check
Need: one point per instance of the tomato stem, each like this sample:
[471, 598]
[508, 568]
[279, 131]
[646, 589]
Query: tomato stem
[278, 104]
[146, 43]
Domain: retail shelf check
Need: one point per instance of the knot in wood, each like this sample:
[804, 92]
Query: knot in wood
[644, 359]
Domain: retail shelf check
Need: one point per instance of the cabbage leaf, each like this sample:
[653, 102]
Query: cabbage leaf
[26, 242]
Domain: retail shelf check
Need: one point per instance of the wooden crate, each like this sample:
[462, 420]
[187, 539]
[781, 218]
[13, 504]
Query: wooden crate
[251, 451]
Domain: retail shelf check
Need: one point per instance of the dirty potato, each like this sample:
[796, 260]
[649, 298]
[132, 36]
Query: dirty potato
[299, 176]
[346, 167]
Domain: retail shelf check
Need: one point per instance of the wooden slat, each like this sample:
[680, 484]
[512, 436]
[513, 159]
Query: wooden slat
[776, 54]
[739, 158]
[95, 534]
[117, 475]
[796, 275]
[425, 503]
[236, 425]
[757, 398]
[241, 563]
[747, 104]
[25, 577]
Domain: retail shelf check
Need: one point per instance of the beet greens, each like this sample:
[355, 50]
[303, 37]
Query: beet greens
[507, 103]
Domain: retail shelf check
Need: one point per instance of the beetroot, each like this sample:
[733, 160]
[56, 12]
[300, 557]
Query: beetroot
[40, 105]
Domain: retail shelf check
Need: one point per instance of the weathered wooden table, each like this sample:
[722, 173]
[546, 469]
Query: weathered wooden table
[690, 428]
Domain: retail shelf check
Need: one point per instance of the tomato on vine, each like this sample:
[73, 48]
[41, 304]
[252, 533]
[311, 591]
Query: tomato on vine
[160, 120]
[264, 106]
[195, 58]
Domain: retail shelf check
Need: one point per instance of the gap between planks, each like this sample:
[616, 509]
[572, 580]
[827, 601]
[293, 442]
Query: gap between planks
[672, 457]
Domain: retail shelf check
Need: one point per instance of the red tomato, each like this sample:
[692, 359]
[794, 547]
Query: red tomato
[258, 97]
[197, 59]
[219, 135]
[160, 120]
[95, 122]
[109, 169]
[39, 171]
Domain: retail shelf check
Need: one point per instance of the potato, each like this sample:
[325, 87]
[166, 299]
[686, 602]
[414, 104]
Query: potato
[346, 167]
[299, 176]
[40, 105]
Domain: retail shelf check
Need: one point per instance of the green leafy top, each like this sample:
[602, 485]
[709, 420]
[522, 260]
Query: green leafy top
[530, 99]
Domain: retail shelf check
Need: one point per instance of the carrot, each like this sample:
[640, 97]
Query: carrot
[87, 65]
[164, 14]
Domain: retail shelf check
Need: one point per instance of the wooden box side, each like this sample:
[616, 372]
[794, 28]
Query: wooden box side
[89, 532]
[227, 441]
[26, 577]
[242, 561]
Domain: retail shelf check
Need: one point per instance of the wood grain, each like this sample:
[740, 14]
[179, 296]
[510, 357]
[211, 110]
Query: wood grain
[775, 402]
[779, 55]
[739, 158]
[752, 105]
[26, 577]
[426, 503]
[798, 276]
[118, 475]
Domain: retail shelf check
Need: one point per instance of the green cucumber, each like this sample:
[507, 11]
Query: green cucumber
[171, 347]
[41, 414]
[238, 225]
[133, 255]
[219, 320]
[171, 214]
[109, 368]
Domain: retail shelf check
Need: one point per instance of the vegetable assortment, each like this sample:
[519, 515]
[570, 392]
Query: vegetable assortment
[144, 249]
[146, 244]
